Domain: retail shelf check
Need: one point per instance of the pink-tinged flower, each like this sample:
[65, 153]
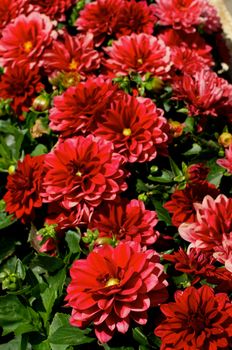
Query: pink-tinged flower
[224, 252]
[205, 93]
[128, 221]
[227, 161]
[136, 127]
[24, 40]
[182, 202]
[212, 228]
[199, 264]
[140, 53]
[193, 41]
[23, 188]
[135, 17]
[115, 286]
[79, 108]
[51, 8]
[83, 172]
[9, 10]
[180, 14]
[73, 54]
[197, 320]
[20, 83]
[100, 18]
[197, 172]
[211, 19]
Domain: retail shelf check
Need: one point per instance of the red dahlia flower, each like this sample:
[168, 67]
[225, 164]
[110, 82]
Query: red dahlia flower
[197, 172]
[99, 18]
[9, 10]
[197, 320]
[205, 93]
[135, 17]
[51, 8]
[227, 161]
[79, 108]
[73, 54]
[139, 53]
[212, 226]
[180, 14]
[211, 19]
[115, 286]
[23, 188]
[128, 221]
[24, 40]
[83, 172]
[136, 127]
[182, 202]
[20, 83]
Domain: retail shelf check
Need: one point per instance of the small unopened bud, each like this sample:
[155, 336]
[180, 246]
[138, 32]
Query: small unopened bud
[41, 103]
[176, 127]
[11, 169]
[225, 139]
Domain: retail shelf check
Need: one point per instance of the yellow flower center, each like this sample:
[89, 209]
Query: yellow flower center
[140, 60]
[27, 46]
[78, 173]
[126, 132]
[73, 65]
[112, 282]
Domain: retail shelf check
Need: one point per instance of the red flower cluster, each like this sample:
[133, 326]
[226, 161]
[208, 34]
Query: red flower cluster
[23, 188]
[9, 10]
[128, 221]
[115, 286]
[197, 320]
[51, 8]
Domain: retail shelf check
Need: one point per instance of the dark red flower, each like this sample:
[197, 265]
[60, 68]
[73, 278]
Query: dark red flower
[73, 54]
[20, 83]
[9, 10]
[135, 17]
[180, 14]
[79, 108]
[211, 19]
[23, 188]
[128, 221]
[99, 18]
[83, 172]
[136, 127]
[140, 53]
[182, 202]
[205, 93]
[115, 286]
[24, 40]
[197, 320]
[197, 172]
[51, 8]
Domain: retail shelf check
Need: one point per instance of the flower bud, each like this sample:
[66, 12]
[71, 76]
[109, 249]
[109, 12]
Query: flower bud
[225, 139]
[41, 103]
[176, 128]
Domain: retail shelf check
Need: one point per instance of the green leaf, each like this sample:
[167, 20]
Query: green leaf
[196, 149]
[139, 336]
[16, 344]
[39, 149]
[7, 245]
[69, 335]
[14, 315]
[166, 177]
[49, 263]
[162, 213]
[42, 346]
[73, 240]
[175, 169]
[216, 173]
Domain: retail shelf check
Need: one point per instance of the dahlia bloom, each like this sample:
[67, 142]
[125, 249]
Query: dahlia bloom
[140, 53]
[79, 108]
[205, 93]
[73, 54]
[23, 188]
[227, 161]
[9, 10]
[182, 202]
[83, 172]
[197, 172]
[212, 229]
[135, 17]
[197, 320]
[20, 83]
[51, 8]
[211, 19]
[128, 221]
[136, 127]
[180, 14]
[99, 18]
[24, 40]
[115, 286]
[223, 253]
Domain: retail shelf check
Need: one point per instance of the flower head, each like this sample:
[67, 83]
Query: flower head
[51, 8]
[9, 10]
[140, 53]
[115, 286]
[128, 221]
[24, 40]
[198, 319]
[23, 188]
[136, 127]
[227, 161]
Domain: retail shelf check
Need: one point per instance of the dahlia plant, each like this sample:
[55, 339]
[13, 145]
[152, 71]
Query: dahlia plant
[115, 166]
